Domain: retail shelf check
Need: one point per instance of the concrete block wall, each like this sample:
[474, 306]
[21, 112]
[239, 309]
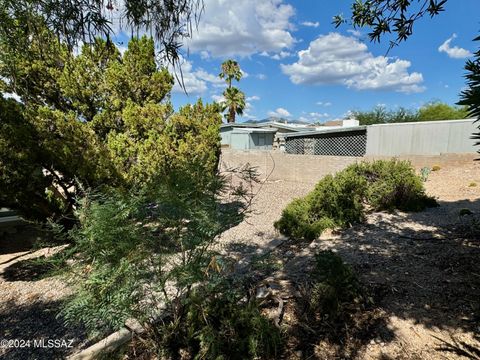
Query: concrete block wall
[277, 165]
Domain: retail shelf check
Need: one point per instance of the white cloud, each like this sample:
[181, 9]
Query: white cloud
[195, 81]
[313, 116]
[354, 32]
[317, 116]
[280, 112]
[339, 59]
[215, 80]
[261, 76]
[326, 103]
[218, 98]
[253, 98]
[243, 28]
[454, 52]
[311, 24]
[281, 55]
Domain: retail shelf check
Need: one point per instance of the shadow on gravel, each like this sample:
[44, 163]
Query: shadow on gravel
[429, 274]
[35, 322]
[421, 266]
[28, 270]
[22, 238]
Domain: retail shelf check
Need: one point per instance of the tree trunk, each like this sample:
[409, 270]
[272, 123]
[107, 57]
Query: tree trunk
[231, 115]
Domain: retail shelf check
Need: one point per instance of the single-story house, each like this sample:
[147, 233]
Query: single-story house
[245, 137]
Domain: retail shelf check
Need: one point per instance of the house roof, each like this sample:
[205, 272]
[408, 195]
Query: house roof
[249, 130]
[295, 128]
[326, 131]
[268, 124]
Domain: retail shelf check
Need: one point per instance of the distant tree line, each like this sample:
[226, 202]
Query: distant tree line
[429, 112]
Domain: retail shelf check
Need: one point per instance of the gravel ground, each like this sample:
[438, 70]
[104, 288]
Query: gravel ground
[257, 231]
[29, 304]
[425, 264]
[423, 267]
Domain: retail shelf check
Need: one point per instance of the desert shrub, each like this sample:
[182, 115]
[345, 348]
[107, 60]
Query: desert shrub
[343, 199]
[392, 185]
[334, 287]
[424, 173]
[335, 201]
[335, 314]
[129, 246]
[464, 212]
[436, 168]
[218, 324]
[295, 221]
[472, 184]
[141, 254]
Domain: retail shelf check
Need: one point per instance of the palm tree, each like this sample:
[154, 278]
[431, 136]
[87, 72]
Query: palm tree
[234, 102]
[234, 98]
[230, 70]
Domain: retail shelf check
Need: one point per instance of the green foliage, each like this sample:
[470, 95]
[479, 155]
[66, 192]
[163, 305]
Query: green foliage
[441, 111]
[139, 253]
[380, 115]
[230, 71]
[390, 16]
[24, 185]
[436, 168]
[234, 99]
[342, 199]
[124, 243]
[471, 96]
[334, 288]
[424, 172]
[393, 184]
[168, 21]
[334, 308]
[234, 103]
[428, 112]
[219, 324]
[99, 119]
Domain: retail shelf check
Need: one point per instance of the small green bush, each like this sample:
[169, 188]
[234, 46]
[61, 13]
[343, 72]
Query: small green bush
[424, 173]
[335, 285]
[393, 185]
[219, 324]
[343, 199]
[465, 211]
[472, 184]
[436, 168]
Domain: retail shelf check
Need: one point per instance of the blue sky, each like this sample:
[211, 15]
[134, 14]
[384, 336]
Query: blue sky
[299, 66]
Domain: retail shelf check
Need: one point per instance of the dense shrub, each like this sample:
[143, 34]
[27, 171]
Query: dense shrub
[100, 118]
[147, 255]
[343, 199]
[132, 247]
[392, 185]
[219, 324]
